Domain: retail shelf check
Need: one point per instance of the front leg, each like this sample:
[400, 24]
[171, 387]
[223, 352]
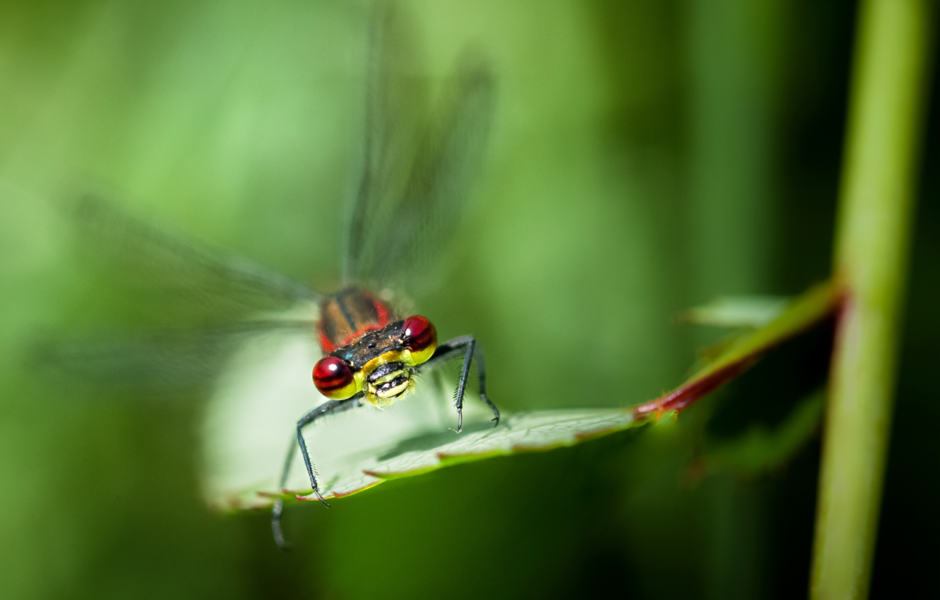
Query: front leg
[450, 350]
[327, 408]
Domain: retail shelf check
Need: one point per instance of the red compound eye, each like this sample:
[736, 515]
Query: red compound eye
[420, 337]
[334, 378]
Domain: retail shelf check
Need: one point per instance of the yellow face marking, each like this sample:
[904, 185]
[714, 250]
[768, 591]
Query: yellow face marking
[423, 355]
[392, 393]
[388, 377]
[345, 392]
[404, 356]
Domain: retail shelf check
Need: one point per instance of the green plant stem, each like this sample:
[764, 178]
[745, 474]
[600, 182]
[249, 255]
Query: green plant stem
[885, 122]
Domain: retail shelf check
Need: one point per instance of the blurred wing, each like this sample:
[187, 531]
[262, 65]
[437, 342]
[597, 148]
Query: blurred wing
[418, 166]
[213, 285]
[157, 361]
[396, 110]
[213, 302]
[447, 160]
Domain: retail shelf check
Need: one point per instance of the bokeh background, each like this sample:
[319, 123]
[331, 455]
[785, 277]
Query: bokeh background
[646, 156]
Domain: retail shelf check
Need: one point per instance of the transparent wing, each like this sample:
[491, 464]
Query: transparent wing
[190, 306]
[439, 179]
[418, 163]
[159, 362]
[212, 285]
[396, 110]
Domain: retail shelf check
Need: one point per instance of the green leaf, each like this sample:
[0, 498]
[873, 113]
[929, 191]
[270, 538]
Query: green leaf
[250, 420]
[250, 427]
[737, 311]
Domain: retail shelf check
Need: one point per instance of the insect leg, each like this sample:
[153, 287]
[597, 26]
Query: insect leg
[327, 408]
[481, 375]
[447, 351]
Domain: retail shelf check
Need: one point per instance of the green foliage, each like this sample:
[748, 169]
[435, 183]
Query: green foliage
[646, 156]
[760, 449]
[247, 422]
[894, 48]
[736, 311]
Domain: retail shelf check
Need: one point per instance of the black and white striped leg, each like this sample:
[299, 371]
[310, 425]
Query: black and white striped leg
[327, 408]
[450, 350]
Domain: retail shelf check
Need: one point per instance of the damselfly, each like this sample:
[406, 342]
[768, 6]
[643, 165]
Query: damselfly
[410, 193]
[417, 164]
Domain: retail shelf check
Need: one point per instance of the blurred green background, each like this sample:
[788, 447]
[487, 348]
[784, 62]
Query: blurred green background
[646, 156]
